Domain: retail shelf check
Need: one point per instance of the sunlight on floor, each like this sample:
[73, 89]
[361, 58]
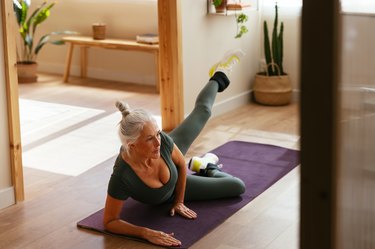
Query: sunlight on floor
[72, 148]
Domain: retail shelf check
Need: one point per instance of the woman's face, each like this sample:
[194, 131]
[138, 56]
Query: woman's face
[148, 143]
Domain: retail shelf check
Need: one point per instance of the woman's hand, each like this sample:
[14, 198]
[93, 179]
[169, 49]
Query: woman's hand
[184, 211]
[161, 238]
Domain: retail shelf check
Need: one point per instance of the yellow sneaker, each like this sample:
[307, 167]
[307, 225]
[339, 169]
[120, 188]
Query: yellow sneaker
[196, 163]
[225, 65]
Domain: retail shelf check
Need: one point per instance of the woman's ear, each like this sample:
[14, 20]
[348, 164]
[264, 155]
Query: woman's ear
[131, 146]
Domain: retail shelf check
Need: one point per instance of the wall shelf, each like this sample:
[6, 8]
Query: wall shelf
[233, 8]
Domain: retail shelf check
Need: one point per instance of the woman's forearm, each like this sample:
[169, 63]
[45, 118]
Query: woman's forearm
[179, 161]
[119, 226]
[180, 185]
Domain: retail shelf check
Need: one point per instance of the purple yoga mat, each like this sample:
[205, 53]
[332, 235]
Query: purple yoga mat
[258, 165]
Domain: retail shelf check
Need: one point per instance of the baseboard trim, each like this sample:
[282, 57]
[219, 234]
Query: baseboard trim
[240, 100]
[296, 94]
[231, 103]
[103, 74]
[7, 197]
[97, 73]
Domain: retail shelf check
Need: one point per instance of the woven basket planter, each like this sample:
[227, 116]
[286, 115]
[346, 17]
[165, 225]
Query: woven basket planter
[272, 90]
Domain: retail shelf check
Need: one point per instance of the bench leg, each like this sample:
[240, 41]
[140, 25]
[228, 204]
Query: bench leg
[83, 61]
[68, 62]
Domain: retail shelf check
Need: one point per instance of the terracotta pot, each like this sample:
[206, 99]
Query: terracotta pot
[27, 72]
[272, 90]
[222, 8]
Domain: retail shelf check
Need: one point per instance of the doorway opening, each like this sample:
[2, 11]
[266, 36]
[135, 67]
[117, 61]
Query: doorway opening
[170, 78]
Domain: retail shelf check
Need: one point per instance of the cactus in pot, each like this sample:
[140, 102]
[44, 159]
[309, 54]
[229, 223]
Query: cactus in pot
[274, 51]
[273, 87]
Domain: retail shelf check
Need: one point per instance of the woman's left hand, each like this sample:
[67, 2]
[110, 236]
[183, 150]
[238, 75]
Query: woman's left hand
[184, 211]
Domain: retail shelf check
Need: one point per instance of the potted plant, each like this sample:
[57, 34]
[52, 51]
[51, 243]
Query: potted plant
[220, 5]
[273, 86]
[29, 49]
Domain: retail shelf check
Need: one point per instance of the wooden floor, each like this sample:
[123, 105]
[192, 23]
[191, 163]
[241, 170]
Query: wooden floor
[54, 203]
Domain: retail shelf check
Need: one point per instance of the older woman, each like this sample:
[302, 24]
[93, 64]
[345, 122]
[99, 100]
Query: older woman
[151, 166]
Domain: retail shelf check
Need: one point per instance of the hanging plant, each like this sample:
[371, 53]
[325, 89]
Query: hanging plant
[241, 28]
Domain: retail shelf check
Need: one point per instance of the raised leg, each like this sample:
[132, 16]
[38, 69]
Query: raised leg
[185, 134]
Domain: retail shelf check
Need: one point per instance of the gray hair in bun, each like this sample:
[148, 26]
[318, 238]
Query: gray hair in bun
[131, 124]
[123, 107]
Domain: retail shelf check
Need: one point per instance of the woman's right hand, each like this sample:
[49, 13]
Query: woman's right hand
[161, 238]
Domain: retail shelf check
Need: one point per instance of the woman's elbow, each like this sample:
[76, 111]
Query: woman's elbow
[109, 224]
[106, 223]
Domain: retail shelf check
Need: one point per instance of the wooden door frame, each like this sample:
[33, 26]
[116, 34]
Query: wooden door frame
[10, 60]
[170, 63]
[170, 77]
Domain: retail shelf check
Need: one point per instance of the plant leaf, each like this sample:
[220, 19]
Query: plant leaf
[46, 39]
[281, 47]
[267, 47]
[17, 7]
[42, 15]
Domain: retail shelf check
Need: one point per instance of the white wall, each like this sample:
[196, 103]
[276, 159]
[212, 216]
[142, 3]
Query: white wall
[6, 189]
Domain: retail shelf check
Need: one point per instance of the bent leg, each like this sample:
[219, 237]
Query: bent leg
[185, 134]
[218, 185]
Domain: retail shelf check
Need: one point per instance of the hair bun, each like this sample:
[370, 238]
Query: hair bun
[123, 108]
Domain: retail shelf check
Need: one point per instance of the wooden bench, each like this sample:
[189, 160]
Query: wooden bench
[86, 42]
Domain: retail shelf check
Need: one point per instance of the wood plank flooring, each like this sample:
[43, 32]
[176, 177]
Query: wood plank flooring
[54, 203]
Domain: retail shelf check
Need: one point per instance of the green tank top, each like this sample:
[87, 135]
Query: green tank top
[125, 183]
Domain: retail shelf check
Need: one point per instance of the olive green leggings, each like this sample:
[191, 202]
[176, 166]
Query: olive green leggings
[218, 184]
